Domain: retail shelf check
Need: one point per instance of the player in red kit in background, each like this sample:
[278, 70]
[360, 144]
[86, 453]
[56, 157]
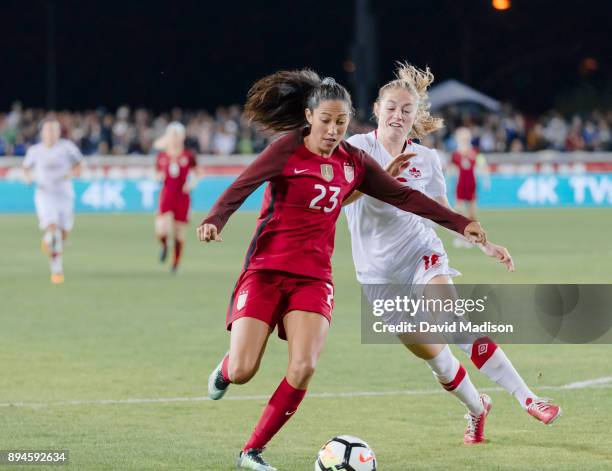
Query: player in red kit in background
[175, 168]
[286, 278]
[467, 160]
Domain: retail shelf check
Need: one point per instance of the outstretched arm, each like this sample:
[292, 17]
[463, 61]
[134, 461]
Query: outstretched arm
[265, 167]
[393, 168]
[380, 185]
[488, 248]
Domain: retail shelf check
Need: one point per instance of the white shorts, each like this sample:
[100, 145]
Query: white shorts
[54, 209]
[431, 264]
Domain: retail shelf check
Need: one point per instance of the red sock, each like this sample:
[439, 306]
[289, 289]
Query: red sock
[482, 349]
[281, 407]
[178, 249]
[224, 371]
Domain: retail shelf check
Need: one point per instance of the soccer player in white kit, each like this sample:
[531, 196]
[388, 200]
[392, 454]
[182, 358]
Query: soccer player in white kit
[393, 247]
[51, 165]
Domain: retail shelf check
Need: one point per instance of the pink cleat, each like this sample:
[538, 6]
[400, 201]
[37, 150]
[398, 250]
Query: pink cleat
[474, 433]
[544, 410]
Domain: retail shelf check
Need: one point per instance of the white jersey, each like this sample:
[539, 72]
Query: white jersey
[390, 245]
[52, 166]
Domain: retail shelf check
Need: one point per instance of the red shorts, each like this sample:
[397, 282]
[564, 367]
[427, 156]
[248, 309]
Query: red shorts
[466, 192]
[268, 295]
[177, 204]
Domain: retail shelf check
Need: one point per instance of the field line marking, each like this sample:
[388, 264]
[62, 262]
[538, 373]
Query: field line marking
[604, 382]
[588, 383]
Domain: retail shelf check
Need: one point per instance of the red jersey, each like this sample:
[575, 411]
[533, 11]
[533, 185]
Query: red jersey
[466, 165]
[175, 171]
[296, 228]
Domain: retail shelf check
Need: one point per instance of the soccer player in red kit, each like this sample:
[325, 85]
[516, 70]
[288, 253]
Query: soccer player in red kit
[175, 168]
[465, 159]
[286, 278]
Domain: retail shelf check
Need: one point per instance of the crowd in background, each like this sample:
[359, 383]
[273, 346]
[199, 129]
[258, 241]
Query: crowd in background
[226, 131]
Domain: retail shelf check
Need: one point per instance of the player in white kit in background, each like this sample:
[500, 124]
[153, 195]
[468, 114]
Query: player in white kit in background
[393, 247]
[51, 165]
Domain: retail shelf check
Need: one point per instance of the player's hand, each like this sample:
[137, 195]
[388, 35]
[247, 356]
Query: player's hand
[208, 232]
[186, 189]
[399, 163]
[498, 252]
[475, 233]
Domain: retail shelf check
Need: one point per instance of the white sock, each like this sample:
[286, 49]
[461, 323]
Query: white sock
[57, 242]
[454, 378]
[56, 264]
[500, 369]
[493, 362]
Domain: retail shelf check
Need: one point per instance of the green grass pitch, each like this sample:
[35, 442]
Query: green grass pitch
[122, 327]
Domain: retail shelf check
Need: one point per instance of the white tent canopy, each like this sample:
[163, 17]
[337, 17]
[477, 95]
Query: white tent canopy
[451, 92]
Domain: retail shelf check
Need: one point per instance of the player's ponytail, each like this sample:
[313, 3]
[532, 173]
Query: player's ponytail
[277, 102]
[417, 82]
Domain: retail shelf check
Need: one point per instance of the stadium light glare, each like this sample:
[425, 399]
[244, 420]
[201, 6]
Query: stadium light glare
[501, 4]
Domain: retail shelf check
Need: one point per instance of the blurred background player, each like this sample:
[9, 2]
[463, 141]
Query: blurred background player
[468, 161]
[51, 165]
[175, 168]
[392, 247]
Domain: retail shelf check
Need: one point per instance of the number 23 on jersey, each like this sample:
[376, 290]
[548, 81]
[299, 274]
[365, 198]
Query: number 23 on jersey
[326, 198]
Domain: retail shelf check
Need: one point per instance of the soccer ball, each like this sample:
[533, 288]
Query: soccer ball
[345, 453]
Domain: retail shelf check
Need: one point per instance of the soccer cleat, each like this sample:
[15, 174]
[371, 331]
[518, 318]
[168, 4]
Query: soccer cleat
[217, 385]
[57, 278]
[252, 459]
[474, 433]
[544, 410]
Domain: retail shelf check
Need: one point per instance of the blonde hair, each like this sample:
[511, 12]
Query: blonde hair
[416, 81]
[161, 143]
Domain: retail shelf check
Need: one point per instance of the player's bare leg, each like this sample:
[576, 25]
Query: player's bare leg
[490, 359]
[248, 341]
[306, 335]
[447, 369]
[163, 223]
[179, 242]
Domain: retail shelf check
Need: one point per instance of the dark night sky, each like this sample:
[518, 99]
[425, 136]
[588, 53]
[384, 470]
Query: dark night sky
[199, 54]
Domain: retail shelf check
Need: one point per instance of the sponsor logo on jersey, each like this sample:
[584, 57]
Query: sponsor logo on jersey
[242, 299]
[327, 172]
[414, 172]
[349, 172]
[297, 172]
